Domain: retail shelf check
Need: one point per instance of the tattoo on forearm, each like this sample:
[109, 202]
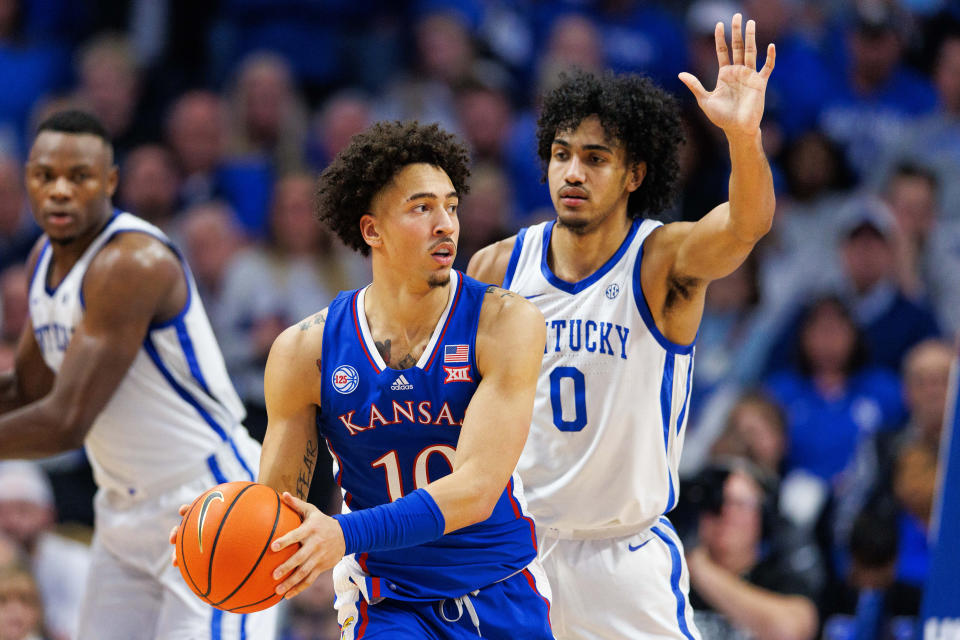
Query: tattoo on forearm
[504, 293]
[404, 362]
[305, 474]
[313, 321]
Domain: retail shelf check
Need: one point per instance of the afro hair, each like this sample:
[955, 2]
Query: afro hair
[632, 111]
[348, 185]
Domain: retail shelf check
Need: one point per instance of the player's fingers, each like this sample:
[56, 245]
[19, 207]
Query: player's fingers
[736, 38]
[721, 41]
[696, 88]
[183, 509]
[771, 60]
[173, 559]
[289, 538]
[750, 45]
[295, 503]
[302, 572]
[303, 586]
[173, 535]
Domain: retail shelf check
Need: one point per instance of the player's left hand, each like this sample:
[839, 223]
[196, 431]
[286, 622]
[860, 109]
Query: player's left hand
[736, 104]
[321, 547]
[173, 532]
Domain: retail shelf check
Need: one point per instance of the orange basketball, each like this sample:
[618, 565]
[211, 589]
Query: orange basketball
[223, 545]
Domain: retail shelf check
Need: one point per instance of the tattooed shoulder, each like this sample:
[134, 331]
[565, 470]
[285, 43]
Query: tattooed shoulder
[314, 320]
[503, 293]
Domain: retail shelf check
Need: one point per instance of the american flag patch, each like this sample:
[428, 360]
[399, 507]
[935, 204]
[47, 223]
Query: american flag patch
[456, 352]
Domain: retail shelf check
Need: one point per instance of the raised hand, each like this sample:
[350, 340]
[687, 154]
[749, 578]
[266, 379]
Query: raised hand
[736, 104]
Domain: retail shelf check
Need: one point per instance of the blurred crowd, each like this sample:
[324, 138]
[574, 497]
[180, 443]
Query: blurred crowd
[822, 363]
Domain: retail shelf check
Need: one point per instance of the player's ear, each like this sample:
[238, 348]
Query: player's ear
[636, 175]
[112, 180]
[369, 230]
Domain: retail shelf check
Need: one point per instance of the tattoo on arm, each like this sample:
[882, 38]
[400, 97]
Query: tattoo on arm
[315, 320]
[305, 475]
[504, 293]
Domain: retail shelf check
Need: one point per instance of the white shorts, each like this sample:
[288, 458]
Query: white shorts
[133, 590]
[634, 586]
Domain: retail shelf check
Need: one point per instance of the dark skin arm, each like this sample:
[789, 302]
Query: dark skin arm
[148, 278]
[30, 379]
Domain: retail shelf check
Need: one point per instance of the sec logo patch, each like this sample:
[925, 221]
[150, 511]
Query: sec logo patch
[345, 379]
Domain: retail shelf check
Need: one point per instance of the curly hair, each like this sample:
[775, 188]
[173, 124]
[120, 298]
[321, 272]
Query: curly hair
[348, 185]
[633, 111]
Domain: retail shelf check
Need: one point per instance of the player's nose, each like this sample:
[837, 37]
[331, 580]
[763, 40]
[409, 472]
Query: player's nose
[61, 189]
[574, 173]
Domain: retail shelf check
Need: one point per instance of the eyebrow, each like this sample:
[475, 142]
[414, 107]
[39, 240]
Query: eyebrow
[427, 194]
[588, 147]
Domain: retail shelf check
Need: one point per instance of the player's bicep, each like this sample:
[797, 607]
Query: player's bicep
[498, 417]
[291, 444]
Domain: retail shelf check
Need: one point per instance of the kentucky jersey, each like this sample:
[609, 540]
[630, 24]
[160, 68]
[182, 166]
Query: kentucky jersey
[392, 431]
[612, 396]
[174, 407]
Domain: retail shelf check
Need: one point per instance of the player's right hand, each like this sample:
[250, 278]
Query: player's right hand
[173, 532]
[321, 547]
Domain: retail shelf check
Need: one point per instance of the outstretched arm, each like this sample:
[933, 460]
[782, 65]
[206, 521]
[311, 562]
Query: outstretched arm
[149, 279]
[684, 257]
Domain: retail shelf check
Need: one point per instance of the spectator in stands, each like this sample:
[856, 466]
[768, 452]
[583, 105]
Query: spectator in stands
[892, 321]
[272, 285]
[196, 132]
[110, 87]
[869, 602]
[928, 247]
[800, 258]
[267, 116]
[149, 185]
[21, 608]
[741, 583]
[59, 564]
[832, 399]
[486, 212]
[30, 70]
[934, 140]
[899, 468]
[486, 120]
[342, 116]
[18, 231]
[877, 95]
[210, 237]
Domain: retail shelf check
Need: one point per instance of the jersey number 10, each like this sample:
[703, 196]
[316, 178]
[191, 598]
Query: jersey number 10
[390, 462]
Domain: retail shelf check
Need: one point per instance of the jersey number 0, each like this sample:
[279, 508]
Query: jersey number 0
[579, 419]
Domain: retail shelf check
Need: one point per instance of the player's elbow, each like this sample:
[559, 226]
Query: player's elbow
[481, 497]
[71, 429]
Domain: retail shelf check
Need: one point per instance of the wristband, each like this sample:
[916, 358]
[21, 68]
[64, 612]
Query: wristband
[407, 522]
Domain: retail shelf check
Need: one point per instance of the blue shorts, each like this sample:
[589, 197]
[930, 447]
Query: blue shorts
[517, 608]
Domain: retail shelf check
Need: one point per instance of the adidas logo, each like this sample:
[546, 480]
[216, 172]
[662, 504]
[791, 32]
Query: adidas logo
[401, 384]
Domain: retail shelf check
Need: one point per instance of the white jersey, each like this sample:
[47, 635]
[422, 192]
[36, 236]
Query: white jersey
[174, 408]
[611, 403]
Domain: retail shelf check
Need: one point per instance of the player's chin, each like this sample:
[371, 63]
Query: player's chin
[439, 278]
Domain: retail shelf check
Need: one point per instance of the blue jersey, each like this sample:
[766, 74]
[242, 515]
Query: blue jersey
[392, 431]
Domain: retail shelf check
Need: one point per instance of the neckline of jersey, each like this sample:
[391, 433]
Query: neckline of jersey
[580, 285]
[366, 336]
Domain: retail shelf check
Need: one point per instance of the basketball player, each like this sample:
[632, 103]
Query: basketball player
[623, 297]
[118, 356]
[421, 384]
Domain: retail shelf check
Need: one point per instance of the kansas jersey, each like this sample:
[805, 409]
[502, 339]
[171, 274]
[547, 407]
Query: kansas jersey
[392, 431]
[612, 396]
[174, 407]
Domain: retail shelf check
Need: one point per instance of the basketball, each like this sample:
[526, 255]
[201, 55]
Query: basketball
[223, 545]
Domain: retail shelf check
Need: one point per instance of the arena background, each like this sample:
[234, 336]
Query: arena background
[222, 113]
